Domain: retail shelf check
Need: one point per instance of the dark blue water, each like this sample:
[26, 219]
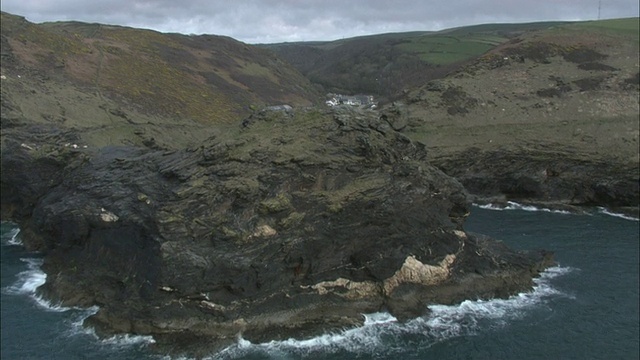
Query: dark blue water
[585, 308]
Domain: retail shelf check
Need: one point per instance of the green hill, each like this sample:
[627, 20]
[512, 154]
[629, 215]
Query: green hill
[123, 77]
[558, 105]
[388, 63]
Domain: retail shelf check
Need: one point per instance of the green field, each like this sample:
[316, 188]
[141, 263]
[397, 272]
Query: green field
[464, 43]
[447, 49]
[629, 26]
[385, 64]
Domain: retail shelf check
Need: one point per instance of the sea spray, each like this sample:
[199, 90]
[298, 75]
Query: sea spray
[77, 325]
[29, 280]
[467, 317]
[126, 340]
[28, 283]
[13, 238]
[381, 330]
[605, 211]
[511, 205]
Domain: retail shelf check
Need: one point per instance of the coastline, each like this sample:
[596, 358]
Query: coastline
[352, 341]
[627, 212]
[283, 236]
[441, 322]
[154, 202]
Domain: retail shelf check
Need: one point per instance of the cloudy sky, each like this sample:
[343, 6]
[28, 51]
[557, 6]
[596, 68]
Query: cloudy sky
[268, 21]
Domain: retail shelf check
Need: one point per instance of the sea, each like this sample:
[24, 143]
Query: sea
[586, 307]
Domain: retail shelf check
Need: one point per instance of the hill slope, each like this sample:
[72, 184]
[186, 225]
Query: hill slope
[107, 80]
[384, 64]
[558, 105]
[293, 222]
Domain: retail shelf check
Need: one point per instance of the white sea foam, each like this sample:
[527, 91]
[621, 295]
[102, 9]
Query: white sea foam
[126, 340]
[604, 211]
[463, 319]
[13, 238]
[119, 341]
[378, 318]
[77, 325]
[28, 283]
[444, 322]
[511, 205]
[48, 305]
[369, 336]
[28, 280]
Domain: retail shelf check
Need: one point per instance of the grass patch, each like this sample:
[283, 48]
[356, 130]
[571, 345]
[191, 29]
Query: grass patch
[444, 50]
[629, 27]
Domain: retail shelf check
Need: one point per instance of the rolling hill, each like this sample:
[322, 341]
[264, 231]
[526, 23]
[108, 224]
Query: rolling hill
[550, 107]
[526, 111]
[113, 81]
[385, 64]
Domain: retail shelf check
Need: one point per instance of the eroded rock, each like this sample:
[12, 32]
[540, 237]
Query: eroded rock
[343, 218]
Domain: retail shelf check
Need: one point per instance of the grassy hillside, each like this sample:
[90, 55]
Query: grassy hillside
[201, 77]
[111, 80]
[571, 88]
[627, 27]
[387, 63]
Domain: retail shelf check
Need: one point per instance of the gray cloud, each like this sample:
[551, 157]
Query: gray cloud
[256, 21]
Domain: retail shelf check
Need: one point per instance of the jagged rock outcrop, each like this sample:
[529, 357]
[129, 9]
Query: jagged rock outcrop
[290, 224]
[554, 177]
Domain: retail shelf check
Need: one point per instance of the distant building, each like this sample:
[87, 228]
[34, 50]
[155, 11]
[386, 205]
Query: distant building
[353, 100]
[283, 108]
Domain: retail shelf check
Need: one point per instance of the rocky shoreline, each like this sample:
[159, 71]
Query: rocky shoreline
[545, 177]
[291, 224]
[150, 200]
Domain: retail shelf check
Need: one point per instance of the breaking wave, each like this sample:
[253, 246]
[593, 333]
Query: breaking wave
[511, 205]
[383, 336]
[605, 211]
[13, 238]
[128, 340]
[28, 283]
[117, 341]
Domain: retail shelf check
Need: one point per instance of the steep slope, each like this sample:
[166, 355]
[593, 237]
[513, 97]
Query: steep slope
[110, 80]
[551, 115]
[289, 225]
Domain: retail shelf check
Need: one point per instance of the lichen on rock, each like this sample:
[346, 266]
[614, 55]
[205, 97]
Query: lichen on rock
[259, 235]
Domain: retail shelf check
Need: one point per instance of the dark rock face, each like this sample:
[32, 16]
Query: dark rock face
[288, 226]
[544, 177]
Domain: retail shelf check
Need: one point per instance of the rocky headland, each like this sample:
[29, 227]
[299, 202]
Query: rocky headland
[291, 224]
[187, 213]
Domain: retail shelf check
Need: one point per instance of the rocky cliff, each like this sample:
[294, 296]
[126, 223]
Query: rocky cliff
[551, 116]
[289, 223]
[136, 162]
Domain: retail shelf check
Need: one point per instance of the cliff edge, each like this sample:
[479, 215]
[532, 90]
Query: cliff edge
[292, 223]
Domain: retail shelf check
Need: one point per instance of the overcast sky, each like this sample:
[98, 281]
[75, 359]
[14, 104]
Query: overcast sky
[268, 21]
